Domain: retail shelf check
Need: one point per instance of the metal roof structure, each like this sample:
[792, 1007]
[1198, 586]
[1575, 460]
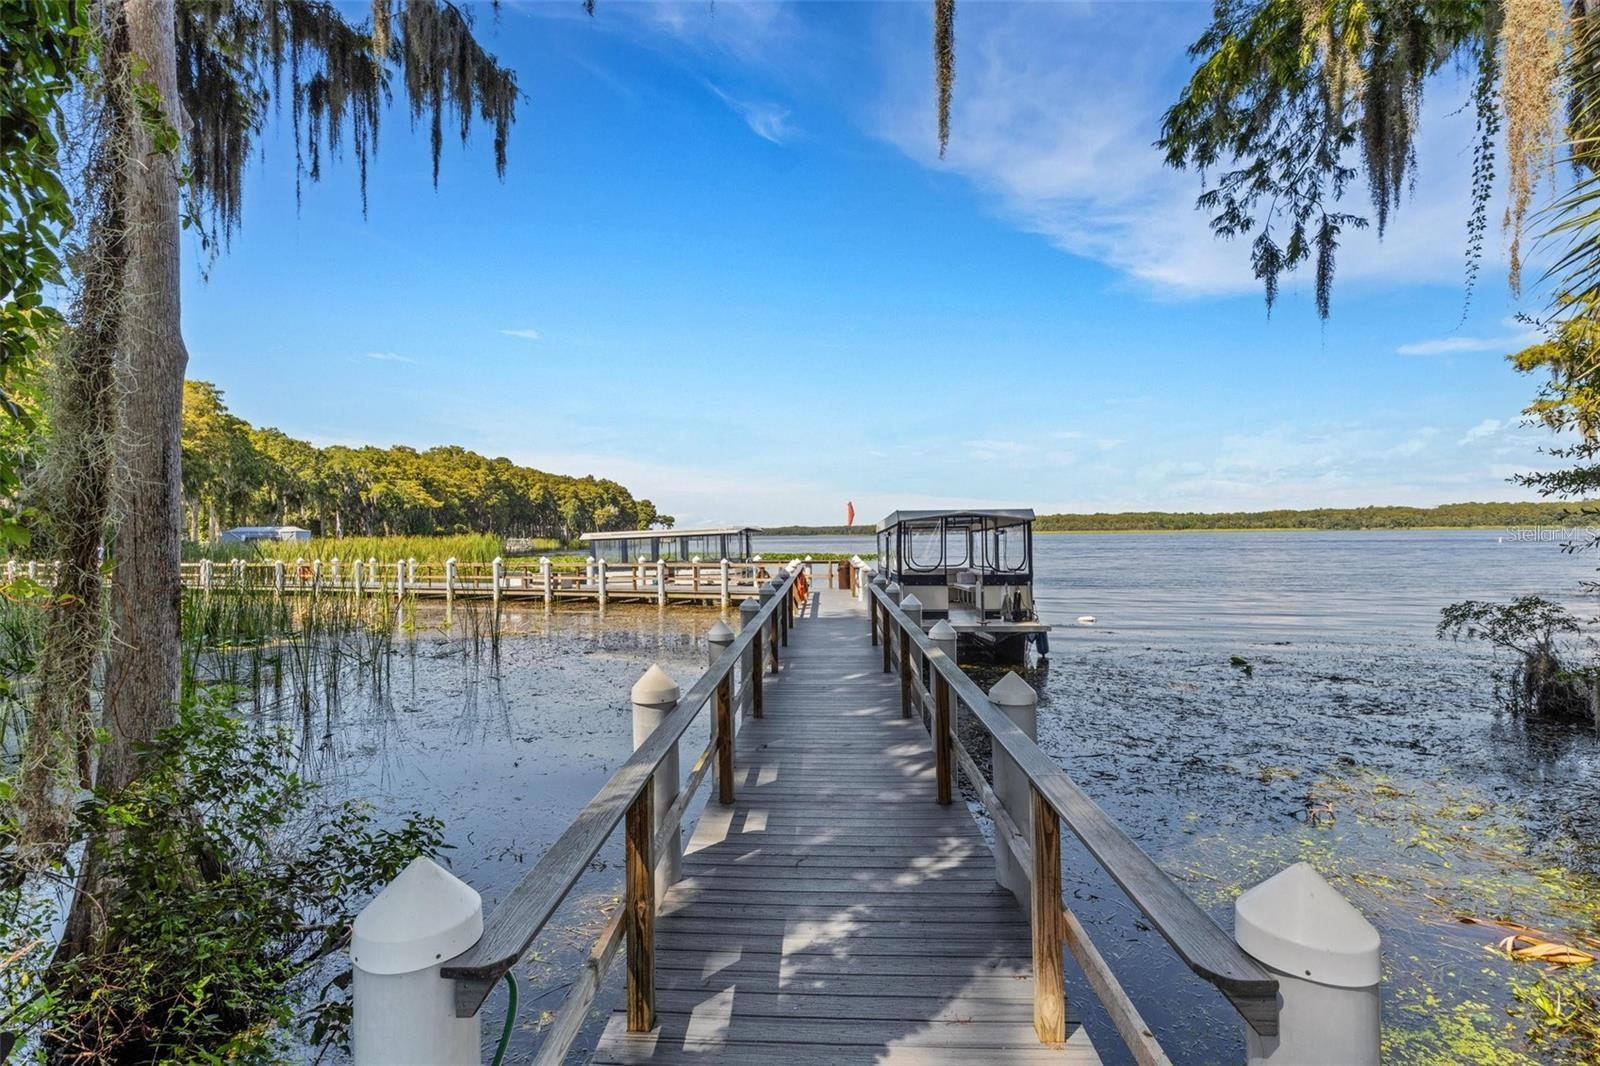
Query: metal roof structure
[639, 534]
[1003, 515]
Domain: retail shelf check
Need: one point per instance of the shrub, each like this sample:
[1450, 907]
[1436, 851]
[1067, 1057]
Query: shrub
[1529, 627]
[232, 892]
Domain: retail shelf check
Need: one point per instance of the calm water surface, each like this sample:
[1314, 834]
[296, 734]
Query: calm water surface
[1442, 804]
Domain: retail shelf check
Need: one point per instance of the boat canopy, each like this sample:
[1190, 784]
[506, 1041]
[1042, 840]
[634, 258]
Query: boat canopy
[927, 547]
[648, 545]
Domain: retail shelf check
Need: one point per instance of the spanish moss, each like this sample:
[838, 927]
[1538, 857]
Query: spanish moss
[944, 63]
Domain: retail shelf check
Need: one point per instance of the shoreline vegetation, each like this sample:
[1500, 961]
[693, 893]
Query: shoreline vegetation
[1445, 516]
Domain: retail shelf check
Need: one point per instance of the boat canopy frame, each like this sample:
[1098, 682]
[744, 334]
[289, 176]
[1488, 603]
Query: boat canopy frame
[926, 547]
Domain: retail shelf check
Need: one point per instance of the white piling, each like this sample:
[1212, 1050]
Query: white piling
[399, 580]
[944, 635]
[724, 586]
[496, 573]
[316, 574]
[1327, 959]
[205, 573]
[749, 607]
[913, 609]
[277, 577]
[355, 575]
[661, 582]
[719, 638]
[654, 696]
[600, 579]
[588, 571]
[411, 571]
[449, 582]
[404, 1011]
[1017, 700]
[894, 591]
[544, 579]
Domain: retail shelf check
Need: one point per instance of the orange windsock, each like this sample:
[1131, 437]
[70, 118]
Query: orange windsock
[849, 514]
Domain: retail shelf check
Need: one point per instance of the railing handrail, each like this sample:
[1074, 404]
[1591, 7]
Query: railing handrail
[511, 928]
[1202, 944]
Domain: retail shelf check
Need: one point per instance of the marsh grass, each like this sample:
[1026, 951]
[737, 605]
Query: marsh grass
[464, 548]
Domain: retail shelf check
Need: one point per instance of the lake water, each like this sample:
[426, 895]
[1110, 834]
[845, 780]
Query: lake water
[1442, 803]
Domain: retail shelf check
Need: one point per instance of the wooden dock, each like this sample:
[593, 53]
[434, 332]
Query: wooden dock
[837, 903]
[835, 913]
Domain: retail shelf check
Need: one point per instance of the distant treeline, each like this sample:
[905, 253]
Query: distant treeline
[1450, 515]
[236, 474]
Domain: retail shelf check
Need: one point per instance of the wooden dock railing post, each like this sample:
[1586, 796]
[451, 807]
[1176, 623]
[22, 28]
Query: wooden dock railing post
[640, 906]
[1049, 990]
[654, 696]
[913, 609]
[943, 634]
[753, 662]
[1017, 701]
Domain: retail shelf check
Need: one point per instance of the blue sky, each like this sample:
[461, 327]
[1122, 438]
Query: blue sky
[727, 268]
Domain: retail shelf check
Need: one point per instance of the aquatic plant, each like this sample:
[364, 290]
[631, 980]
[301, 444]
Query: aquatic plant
[1530, 627]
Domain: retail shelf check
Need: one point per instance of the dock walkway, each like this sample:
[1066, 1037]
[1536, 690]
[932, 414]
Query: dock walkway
[835, 913]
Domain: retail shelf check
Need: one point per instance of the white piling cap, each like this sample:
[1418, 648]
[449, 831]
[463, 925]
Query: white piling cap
[911, 603]
[425, 916]
[720, 633]
[942, 630]
[893, 588]
[1298, 924]
[1012, 691]
[749, 605]
[654, 688]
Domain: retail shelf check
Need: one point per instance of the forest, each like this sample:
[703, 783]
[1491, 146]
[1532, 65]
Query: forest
[238, 474]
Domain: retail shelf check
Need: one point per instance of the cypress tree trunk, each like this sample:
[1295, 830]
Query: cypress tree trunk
[142, 667]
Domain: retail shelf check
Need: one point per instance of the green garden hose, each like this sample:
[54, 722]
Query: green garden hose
[511, 1019]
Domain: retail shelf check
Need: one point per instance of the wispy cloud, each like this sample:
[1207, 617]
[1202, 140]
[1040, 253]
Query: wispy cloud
[389, 357]
[1054, 120]
[1483, 430]
[525, 334]
[768, 121]
[1452, 345]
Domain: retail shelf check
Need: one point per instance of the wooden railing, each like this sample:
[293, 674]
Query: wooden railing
[1056, 800]
[628, 797]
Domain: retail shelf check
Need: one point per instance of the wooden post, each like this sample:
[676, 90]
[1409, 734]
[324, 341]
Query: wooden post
[872, 616]
[316, 574]
[1049, 993]
[640, 903]
[544, 579]
[888, 625]
[905, 675]
[942, 751]
[1014, 698]
[724, 711]
[775, 644]
[654, 697]
[333, 572]
[277, 577]
[205, 573]
[757, 654]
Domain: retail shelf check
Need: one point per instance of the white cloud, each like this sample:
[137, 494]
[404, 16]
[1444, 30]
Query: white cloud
[1487, 428]
[525, 334]
[768, 121]
[1056, 110]
[389, 357]
[1450, 345]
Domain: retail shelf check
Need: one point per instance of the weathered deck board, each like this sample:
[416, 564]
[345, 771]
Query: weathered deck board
[835, 913]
